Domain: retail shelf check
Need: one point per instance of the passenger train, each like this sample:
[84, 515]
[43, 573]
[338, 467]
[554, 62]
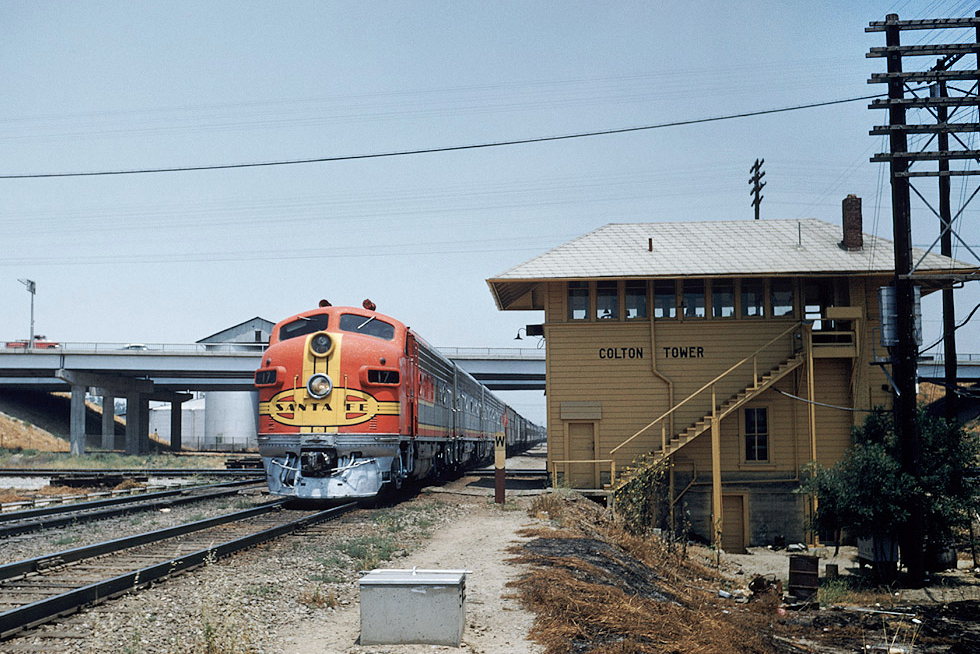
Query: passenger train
[353, 403]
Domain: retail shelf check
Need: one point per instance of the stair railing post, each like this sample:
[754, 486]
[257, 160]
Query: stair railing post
[755, 371]
[663, 438]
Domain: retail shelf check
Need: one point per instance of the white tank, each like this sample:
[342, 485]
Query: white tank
[231, 420]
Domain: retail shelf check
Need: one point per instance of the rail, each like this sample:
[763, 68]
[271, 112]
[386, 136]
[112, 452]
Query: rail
[754, 358]
[43, 610]
[19, 522]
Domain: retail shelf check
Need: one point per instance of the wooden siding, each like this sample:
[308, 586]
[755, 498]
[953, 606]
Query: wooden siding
[624, 366]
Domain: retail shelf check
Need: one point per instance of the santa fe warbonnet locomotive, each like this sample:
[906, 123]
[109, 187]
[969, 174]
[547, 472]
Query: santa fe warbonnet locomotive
[352, 402]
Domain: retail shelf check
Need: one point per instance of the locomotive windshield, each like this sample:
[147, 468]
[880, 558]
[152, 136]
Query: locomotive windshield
[303, 326]
[350, 322]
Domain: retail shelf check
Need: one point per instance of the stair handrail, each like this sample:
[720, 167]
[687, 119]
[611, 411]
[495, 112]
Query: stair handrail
[711, 383]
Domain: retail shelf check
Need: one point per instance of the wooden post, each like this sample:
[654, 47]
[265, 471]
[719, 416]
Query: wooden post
[715, 477]
[499, 465]
[811, 415]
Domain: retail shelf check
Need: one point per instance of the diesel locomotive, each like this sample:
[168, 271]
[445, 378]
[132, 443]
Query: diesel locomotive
[353, 403]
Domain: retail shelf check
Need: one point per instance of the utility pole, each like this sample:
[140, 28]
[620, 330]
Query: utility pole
[757, 184]
[938, 90]
[32, 289]
[904, 354]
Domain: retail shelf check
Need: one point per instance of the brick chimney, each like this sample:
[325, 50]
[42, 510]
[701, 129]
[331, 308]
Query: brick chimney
[853, 236]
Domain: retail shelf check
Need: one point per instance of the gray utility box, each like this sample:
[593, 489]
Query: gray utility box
[413, 606]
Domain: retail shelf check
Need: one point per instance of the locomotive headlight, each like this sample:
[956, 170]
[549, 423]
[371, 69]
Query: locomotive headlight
[319, 386]
[321, 344]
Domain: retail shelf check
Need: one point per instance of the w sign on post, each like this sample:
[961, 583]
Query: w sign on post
[499, 464]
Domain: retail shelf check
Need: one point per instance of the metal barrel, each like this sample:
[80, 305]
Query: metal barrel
[803, 575]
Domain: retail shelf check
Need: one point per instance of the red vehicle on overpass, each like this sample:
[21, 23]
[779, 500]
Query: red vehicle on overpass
[40, 343]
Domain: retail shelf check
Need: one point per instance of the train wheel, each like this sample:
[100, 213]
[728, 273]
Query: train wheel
[396, 474]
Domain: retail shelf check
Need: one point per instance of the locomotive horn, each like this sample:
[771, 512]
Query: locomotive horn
[369, 305]
[325, 303]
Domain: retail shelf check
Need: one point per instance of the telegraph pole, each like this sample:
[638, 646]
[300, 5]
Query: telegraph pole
[904, 354]
[757, 184]
[938, 90]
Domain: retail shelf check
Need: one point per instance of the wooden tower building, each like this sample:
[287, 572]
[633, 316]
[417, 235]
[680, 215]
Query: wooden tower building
[739, 351]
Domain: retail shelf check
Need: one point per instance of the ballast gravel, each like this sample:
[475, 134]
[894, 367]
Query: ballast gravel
[277, 596]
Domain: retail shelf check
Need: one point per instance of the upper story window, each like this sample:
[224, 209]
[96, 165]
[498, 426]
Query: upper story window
[781, 298]
[578, 300]
[636, 299]
[694, 298]
[723, 298]
[753, 298]
[665, 299]
[607, 301]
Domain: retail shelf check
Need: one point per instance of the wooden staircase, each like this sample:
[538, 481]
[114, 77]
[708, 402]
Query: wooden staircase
[670, 445]
[677, 441]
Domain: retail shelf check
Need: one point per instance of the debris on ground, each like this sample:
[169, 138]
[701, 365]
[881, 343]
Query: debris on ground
[596, 589]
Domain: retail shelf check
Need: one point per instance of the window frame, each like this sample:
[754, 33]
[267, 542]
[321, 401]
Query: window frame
[704, 298]
[744, 435]
[616, 288]
[587, 286]
[675, 307]
[734, 291]
[645, 296]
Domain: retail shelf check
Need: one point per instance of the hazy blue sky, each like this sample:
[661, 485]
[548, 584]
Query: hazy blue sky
[174, 257]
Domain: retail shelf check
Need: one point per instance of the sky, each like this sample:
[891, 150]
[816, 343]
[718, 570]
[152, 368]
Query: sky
[173, 257]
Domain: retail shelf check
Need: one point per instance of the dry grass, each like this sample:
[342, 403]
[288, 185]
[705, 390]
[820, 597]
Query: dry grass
[15, 434]
[597, 589]
[56, 491]
[318, 597]
[128, 484]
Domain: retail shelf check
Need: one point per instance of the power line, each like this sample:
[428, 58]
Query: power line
[451, 148]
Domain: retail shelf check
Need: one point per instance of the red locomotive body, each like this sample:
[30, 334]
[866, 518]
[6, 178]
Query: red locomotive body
[351, 401]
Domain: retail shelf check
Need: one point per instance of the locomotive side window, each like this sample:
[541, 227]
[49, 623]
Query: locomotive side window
[303, 326]
[350, 322]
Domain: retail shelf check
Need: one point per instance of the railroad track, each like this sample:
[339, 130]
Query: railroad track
[131, 472]
[35, 591]
[19, 522]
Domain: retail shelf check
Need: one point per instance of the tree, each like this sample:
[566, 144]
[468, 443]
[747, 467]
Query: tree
[867, 492]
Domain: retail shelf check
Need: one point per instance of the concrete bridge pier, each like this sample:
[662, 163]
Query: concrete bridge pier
[108, 419]
[137, 423]
[137, 393]
[76, 423]
[176, 420]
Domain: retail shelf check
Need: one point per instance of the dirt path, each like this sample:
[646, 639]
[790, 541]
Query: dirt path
[495, 623]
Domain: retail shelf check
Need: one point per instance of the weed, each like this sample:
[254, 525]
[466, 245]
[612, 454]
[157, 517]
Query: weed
[66, 540]
[549, 506]
[326, 577]
[369, 551]
[852, 589]
[319, 598]
[332, 560]
[259, 590]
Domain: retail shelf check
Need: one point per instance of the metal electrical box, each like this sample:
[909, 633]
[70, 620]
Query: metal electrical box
[413, 606]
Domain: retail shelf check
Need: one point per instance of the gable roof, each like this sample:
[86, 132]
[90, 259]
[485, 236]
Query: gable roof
[251, 323]
[709, 249]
